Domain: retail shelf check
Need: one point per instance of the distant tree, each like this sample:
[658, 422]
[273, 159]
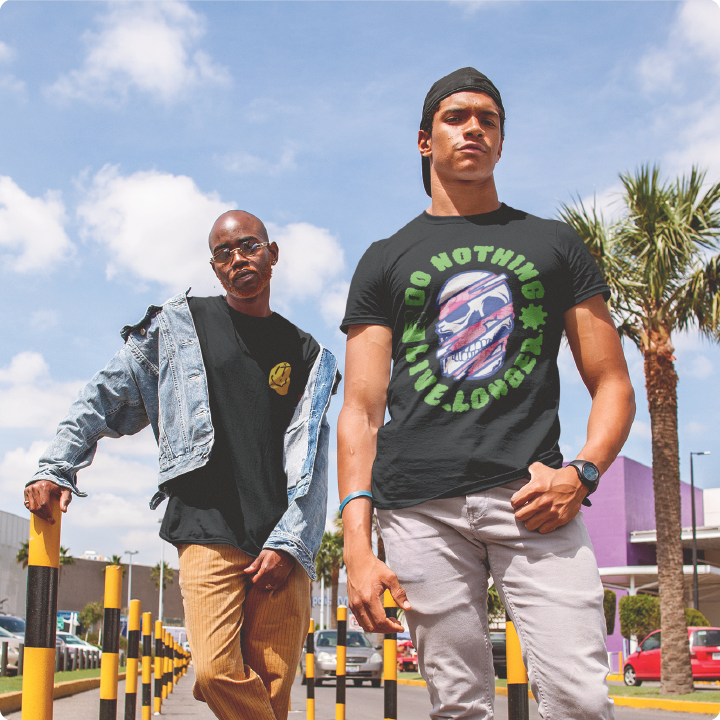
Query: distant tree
[609, 608]
[92, 613]
[23, 554]
[115, 560]
[495, 607]
[167, 576]
[328, 563]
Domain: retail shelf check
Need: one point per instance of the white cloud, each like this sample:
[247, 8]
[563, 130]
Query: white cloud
[641, 430]
[469, 7]
[6, 52]
[311, 266]
[701, 367]
[151, 47]
[30, 398]
[32, 234]
[16, 469]
[110, 510]
[155, 226]
[44, 319]
[695, 428]
[332, 303]
[692, 48]
[246, 164]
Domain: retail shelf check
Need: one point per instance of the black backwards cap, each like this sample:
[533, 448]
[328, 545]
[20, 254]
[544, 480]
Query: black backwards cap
[463, 80]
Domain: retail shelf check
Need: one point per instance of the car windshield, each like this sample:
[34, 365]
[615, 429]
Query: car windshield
[705, 638]
[14, 625]
[4, 633]
[497, 637]
[354, 639]
[71, 639]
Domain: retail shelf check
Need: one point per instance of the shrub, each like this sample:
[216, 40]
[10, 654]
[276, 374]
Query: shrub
[639, 615]
[609, 607]
[694, 618]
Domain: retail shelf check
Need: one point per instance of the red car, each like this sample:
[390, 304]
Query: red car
[644, 663]
[407, 657]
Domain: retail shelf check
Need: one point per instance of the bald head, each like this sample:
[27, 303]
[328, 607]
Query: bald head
[239, 224]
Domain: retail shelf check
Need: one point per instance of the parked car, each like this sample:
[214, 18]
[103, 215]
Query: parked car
[73, 641]
[363, 661]
[13, 652]
[644, 663]
[14, 625]
[407, 656]
[498, 653]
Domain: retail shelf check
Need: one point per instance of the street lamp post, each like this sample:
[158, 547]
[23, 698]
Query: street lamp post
[696, 590]
[130, 553]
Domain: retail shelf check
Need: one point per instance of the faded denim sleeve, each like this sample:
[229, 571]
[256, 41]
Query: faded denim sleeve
[301, 528]
[110, 405]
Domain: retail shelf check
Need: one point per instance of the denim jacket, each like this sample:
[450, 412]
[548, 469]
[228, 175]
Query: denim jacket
[158, 378]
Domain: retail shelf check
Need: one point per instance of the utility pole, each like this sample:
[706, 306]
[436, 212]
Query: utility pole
[130, 553]
[696, 589]
[162, 578]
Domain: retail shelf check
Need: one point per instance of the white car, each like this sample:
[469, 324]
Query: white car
[73, 641]
[13, 643]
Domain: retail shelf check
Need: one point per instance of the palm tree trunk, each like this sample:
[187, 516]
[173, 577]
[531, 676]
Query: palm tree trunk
[335, 580]
[661, 383]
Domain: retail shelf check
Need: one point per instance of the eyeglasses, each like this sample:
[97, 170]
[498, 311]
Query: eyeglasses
[246, 249]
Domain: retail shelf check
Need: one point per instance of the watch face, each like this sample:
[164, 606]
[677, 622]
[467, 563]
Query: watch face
[590, 472]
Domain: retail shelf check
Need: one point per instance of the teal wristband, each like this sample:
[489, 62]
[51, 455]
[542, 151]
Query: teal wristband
[352, 496]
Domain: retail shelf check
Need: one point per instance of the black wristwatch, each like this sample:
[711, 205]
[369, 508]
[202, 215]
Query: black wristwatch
[589, 476]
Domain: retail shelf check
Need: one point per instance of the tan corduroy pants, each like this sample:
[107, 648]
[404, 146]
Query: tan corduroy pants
[246, 642]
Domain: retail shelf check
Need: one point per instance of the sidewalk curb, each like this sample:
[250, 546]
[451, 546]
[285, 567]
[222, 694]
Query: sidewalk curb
[12, 701]
[687, 706]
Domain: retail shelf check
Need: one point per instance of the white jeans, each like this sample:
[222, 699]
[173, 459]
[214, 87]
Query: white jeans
[442, 552]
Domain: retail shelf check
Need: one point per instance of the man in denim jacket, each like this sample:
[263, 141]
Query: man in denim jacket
[237, 398]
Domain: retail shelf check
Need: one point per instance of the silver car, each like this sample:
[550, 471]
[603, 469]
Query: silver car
[363, 662]
[13, 644]
[73, 641]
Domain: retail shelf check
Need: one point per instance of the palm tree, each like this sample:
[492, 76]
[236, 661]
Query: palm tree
[167, 576]
[65, 559]
[23, 554]
[115, 560]
[663, 279]
[327, 565]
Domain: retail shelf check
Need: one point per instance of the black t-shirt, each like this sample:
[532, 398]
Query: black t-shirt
[257, 370]
[476, 308]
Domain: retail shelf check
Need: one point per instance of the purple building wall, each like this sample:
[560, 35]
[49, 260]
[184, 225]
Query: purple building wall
[623, 503]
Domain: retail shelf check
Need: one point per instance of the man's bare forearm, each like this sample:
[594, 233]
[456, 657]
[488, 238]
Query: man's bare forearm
[357, 440]
[611, 417]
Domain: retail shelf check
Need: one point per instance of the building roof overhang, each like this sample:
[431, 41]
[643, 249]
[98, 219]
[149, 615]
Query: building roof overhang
[708, 537]
[634, 578]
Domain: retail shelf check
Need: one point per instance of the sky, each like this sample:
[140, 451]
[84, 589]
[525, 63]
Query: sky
[127, 128]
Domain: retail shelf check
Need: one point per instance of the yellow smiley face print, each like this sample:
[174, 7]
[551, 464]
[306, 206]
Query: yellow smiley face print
[280, 378]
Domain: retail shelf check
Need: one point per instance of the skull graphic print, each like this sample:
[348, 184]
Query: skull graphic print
[475, 321]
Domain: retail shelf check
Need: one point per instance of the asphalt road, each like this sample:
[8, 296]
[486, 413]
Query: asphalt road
[365, 703]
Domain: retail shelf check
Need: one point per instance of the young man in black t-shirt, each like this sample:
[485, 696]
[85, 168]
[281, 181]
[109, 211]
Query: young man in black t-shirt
[454, 324]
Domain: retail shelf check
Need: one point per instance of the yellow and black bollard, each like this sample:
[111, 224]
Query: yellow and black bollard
[390, 660]
[517, 679]
[111, 642]
[146, 665]
[168, 663]
[340, 669]
[41, 619]
[133, 652]
[159, 665]
[310, 671]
